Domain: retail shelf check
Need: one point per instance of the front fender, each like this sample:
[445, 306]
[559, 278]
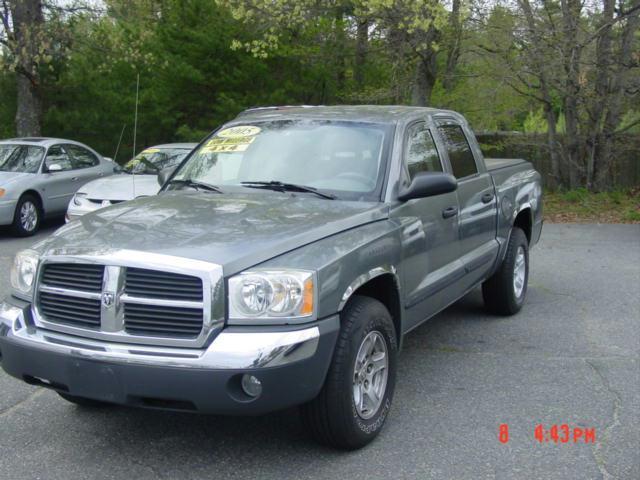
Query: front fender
[346, 261]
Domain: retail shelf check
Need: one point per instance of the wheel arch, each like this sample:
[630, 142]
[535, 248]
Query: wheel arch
[382, 284]
[36, 195]
[524, 221]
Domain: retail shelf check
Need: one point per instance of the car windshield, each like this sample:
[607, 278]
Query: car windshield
[152, 160]
[342, 158]
[20, 158]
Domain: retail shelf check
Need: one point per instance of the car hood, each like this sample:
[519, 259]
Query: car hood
[9, 177]
[236, 231]
[121, 187]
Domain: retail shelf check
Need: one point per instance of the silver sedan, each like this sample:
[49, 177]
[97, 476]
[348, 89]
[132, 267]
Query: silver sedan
[38, 177]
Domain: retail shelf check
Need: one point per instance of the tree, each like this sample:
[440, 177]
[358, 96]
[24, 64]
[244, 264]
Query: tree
[411, 30]
[23, 38]
[570, 63]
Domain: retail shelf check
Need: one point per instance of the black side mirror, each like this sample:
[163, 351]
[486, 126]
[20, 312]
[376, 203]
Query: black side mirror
[165, 174]
[428, 184]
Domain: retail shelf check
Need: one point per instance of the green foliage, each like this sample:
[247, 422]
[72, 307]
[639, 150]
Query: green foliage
[201, 62]
[535, 122]
[582, 206]
[577, 195]
[7, 104]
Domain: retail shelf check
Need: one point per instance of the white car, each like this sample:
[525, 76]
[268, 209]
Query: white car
[138, 178]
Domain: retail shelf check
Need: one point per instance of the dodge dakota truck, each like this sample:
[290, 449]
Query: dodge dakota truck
[282, 264]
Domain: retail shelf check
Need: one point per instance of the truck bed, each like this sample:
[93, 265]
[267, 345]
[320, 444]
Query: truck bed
[498, 163]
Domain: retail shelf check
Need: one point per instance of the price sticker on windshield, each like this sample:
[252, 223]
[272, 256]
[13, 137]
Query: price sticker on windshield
[239, 131]
[233, 139]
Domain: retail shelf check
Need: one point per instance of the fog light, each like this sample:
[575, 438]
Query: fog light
[251, 385]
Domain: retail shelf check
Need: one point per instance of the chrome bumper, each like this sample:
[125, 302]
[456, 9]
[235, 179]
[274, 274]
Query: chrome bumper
[233, 348]
[74, 211]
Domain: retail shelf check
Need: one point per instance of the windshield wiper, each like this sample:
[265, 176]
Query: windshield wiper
[287, 187]
[196, 184]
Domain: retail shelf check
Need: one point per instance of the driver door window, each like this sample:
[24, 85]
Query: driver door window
[421, 154]
[58, 156]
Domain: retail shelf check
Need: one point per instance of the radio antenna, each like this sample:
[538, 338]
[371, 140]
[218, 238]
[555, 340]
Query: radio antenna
[115, 155]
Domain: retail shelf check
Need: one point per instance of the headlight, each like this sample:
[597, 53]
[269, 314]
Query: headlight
[23, 272]
[272, 294]
[78, 197]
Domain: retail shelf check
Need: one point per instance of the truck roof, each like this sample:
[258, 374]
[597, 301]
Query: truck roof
[364, 113]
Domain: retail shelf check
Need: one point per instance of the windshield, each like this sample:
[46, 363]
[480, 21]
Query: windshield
[20, 158]
[343, 158]
[152, 160]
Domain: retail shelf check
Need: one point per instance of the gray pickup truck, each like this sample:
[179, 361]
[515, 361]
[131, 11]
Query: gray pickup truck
[282, 264]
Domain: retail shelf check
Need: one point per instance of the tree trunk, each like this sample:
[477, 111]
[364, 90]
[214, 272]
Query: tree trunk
[538, 62]
[28, 110]
[425, 79]
[618, 81]
[340, 54]
[362, 44]
[28, 21]
[603, 78]
[571, 53]
[453, 52]
[552, 144]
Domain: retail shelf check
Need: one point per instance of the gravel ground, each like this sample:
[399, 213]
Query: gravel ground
[571, 356]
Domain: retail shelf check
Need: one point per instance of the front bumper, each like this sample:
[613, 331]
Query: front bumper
[7, 211]
[290, 363]
[76, 211]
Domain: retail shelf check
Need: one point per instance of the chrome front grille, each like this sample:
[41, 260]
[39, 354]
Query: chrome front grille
[154, 284]
[155, 320]
[173, 303]
[76, 311]
[85, 277]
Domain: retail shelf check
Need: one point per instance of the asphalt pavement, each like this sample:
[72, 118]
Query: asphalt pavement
[572, 356]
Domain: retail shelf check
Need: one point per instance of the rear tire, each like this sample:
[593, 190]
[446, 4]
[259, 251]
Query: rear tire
[27, 217]
[355, 400]
[504, 292]
[83, 402]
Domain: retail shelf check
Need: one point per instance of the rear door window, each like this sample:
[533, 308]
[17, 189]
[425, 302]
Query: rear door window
[81, 157]
[461, 158]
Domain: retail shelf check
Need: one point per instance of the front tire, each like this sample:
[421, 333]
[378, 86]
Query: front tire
[505, 291]
[355, 400]
[27, 217]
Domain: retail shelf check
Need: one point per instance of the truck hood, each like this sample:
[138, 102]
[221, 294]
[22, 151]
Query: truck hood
[121, 187]
[236, 231]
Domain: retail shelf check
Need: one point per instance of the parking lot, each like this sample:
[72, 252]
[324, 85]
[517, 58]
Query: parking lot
[570, 357]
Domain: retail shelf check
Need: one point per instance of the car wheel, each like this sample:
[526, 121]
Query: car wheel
[354, 402]
[505, 291]
[26, 220]
[83, 402]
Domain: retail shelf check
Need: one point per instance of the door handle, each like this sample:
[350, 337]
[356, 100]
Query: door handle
[74, 179]
[487, 197]
[449, 212]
